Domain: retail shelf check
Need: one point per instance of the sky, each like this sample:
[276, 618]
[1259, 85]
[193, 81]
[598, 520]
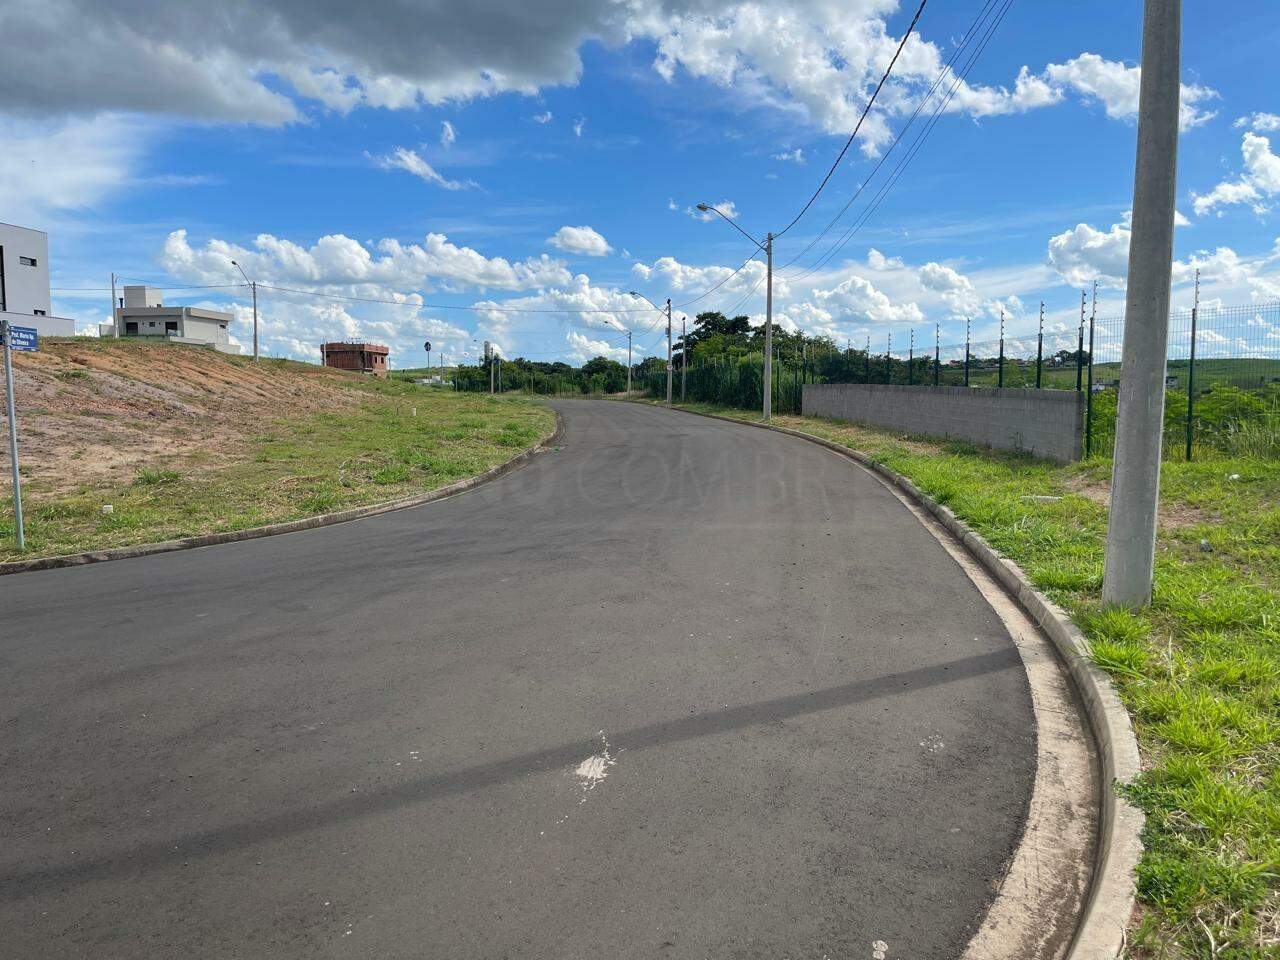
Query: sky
[509, 172]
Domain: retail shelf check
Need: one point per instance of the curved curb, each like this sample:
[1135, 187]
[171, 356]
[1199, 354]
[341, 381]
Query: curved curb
[287, 526]
[1100, 932]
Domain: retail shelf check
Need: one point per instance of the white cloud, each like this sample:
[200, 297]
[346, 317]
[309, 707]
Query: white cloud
[792, 156]
[583, 240]
[1259, 182]
[49, 167]
[1116, 87]
[1260, 122]
[337, 263]
[584, 348]
[544, 117]
[578, 124]
[410, 162]
[857, 299]
[956, 290]
[448, 134]
[1084, 254]
[670, 274]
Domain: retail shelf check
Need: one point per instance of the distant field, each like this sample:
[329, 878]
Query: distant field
[180, 441]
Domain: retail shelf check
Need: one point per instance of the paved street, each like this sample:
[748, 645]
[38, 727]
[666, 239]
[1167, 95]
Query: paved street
[676, 689]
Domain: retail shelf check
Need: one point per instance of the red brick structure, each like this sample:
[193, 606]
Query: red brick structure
[362, 357]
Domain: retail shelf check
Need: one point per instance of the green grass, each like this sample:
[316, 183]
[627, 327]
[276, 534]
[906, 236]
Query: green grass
[373, 451]
[1199, 670]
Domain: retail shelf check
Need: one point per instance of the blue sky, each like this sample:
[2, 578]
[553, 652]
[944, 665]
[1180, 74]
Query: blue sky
[169, 141]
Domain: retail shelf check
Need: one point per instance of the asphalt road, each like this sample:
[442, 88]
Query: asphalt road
[387, 738]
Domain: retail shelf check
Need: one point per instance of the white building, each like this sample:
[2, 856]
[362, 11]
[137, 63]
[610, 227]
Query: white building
[24, 282]
[141, 313]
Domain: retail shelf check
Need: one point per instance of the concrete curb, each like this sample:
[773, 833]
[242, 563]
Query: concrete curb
[288, 526]
[1100, 932]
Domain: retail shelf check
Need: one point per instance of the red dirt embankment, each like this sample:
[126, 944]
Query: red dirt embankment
[94, 410]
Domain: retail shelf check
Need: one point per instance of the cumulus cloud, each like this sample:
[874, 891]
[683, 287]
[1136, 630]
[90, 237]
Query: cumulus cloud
[270, 61]
[956, 290]
[790, 156]
[1256, 185]
[1116, 87]
[669, 273]
[578, 124]
[583, 240]
[857, 299]
[410, 162]
[544, 117]
[583, 348]
[338, 261]
[1084, 254]
[448, 135]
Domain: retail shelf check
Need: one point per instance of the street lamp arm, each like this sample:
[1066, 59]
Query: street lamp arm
[707, 208]
[647, 300]
[241, 269]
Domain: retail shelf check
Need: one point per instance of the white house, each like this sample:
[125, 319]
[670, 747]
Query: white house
[141, 313]
[24, 282]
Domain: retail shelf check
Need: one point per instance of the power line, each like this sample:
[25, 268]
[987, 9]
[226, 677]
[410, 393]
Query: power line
[867, 109]
[725, 280]
[915, 148]
[933, 87]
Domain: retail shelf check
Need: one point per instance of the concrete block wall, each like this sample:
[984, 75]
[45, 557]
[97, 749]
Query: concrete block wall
[1046, 423]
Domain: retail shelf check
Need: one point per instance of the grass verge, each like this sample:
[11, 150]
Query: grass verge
[396, 440]
[1199, 670]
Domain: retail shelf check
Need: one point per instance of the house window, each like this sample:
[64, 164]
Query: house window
[27, 261]
[171, 326]
[39, 313]
[130, 326]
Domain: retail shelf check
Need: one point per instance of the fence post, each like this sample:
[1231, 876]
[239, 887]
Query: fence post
[1191, 371]
[1040, 347]
[937, 354]
[966, 351]
[867, 357]
[911, 359]
[1080, 347]
[888, 360]
[1088, 399]
[1000, 370]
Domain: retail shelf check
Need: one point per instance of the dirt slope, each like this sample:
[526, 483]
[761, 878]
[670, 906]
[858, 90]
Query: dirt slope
[93, 410]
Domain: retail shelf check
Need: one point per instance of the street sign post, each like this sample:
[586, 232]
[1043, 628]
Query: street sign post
[15, 338]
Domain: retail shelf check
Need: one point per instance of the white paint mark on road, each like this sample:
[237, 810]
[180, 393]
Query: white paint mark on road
[595, 768]
[878, 949]
[932, 743]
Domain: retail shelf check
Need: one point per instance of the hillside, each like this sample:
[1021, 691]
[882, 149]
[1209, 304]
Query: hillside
[181, 440]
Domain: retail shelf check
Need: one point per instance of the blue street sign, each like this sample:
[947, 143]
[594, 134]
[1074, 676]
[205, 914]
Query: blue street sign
[24, 338]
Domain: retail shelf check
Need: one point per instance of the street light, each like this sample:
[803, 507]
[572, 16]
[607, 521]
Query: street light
[767, 247]
[667, 311]
[254, 287]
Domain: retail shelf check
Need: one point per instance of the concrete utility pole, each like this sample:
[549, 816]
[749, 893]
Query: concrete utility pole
[668, 351]
[684, 357]
[628, 363]
[1135, 477]
[767, 247]
[768, 327]
[667, 311]
[115, 314]
[253, 286]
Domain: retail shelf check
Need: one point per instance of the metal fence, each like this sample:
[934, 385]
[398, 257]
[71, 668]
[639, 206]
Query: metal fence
[1222, 385]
